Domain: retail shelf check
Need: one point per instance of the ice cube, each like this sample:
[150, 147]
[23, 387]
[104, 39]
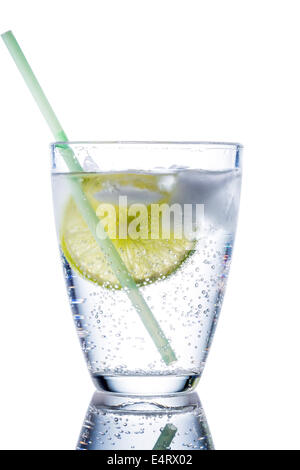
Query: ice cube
[166, 183]
[111, 193]
[90, 165]
[218, 191]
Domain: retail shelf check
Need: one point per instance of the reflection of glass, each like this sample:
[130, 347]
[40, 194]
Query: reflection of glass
[146, 317]
[175, 422]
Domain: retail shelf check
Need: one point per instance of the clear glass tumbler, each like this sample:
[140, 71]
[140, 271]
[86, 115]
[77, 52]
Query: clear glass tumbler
[146, 231]
[175, 422]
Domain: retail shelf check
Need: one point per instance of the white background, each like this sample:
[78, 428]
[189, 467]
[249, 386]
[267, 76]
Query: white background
[164, 70]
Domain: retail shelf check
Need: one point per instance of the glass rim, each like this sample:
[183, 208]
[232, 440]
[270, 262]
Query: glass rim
[213, 155]
[220, 145]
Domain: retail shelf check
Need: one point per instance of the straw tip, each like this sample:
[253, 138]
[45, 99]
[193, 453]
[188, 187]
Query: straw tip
[171, 427]
[6, 33]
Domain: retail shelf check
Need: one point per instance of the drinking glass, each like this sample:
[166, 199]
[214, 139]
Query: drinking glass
[115, 422]
[146, 231]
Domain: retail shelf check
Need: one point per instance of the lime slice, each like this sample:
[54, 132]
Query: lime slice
[147, 260]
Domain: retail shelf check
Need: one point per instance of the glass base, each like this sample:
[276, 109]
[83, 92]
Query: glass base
[146, 385]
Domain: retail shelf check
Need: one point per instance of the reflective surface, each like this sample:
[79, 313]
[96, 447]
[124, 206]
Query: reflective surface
[119, 422]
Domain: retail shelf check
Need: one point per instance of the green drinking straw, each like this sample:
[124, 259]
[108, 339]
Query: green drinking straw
[121, 272]
[166, 437]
